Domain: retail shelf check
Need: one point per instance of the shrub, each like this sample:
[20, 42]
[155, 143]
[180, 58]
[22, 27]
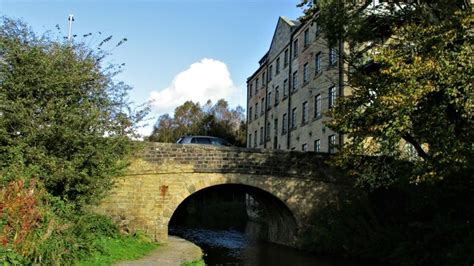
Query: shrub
[38, 228]
[71, 235]
[423, 225]
[21, 215]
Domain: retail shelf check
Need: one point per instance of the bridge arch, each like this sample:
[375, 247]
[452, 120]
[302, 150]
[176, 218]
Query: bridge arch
[277, 220]
[163, 175]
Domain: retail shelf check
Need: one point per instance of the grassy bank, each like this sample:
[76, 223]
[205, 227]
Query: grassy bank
[119, 249]
[199, 262]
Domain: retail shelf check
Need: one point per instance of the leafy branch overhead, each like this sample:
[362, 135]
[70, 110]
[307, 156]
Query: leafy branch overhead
[408, 130]
[409, 65]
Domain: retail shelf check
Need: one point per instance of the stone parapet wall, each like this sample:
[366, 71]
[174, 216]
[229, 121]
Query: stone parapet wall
[214, 159]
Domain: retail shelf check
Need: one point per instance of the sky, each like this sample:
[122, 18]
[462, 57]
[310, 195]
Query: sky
[175, 50]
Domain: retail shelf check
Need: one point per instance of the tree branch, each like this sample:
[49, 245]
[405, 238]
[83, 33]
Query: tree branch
[416, 145]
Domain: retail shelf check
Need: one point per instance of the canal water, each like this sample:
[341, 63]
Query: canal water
[229, 227]
[235, 248]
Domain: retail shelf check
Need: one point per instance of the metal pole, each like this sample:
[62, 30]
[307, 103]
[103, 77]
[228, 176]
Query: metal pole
[70, 19]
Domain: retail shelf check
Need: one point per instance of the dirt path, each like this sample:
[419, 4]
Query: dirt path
[173, 253]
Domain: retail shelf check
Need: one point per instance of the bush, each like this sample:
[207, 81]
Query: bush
[422, 225]
[21, 215]
[72, 236]
[38, 228]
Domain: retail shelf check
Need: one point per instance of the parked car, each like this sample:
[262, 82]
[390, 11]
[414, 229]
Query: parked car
[208, 140]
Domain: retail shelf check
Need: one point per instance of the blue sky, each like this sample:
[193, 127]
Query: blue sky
[176, 50]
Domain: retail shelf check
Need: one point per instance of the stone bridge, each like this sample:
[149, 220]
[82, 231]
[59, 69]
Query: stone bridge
[289, 185]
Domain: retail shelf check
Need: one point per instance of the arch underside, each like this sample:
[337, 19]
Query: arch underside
[277, 222]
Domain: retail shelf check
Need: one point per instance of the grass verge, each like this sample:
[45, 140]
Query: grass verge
[119, 249]
[199, 262]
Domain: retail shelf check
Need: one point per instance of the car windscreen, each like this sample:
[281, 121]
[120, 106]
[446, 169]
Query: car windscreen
[219, 142]
[199, 140]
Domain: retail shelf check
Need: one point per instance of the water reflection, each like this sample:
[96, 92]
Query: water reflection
[231, 247]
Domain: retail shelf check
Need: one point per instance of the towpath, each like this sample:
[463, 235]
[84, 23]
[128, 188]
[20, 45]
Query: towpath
[173, 253]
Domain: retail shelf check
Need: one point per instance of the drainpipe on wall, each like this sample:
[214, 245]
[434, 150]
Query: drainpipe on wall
[265, 106]
[288, 115]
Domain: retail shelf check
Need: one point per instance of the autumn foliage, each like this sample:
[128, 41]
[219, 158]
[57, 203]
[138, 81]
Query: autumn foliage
[21, 214]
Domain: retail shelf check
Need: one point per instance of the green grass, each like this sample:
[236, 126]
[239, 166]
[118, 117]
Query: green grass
[199, 262]
[119, 249]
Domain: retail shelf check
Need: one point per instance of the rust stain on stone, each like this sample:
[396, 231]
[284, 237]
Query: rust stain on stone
[163, 190]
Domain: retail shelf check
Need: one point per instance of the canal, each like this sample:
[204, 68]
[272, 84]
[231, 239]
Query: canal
[230, 223]
[236, 248]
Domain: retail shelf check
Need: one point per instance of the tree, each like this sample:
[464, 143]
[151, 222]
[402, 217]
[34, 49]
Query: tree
[163, 131]
[187, 117]
[192, 119]
[409, 128]
[63, 120]
[409, 64]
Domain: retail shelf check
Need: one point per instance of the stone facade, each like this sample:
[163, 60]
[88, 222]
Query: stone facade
[163, 175]
[303, 77]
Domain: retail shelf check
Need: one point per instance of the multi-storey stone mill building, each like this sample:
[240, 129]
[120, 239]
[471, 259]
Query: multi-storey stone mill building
[297, 81]
[289, 185]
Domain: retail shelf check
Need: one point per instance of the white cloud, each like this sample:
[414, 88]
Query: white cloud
[203, 80]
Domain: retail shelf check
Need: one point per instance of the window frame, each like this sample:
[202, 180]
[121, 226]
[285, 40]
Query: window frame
[318, 67]
[317, 30]
[293, 118]
[304, 147]
[332, 96]
[304, 117]
[317, 106]
[295, 48]
[269, 100]
[275, 127]
[306, 38]
[284, 124]
[277, 66]
[277, 95]
[294, 81]
[317, 145]
[268, 132]
[332, 56]
[305, 73]
[255, 139]
[332, 143]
